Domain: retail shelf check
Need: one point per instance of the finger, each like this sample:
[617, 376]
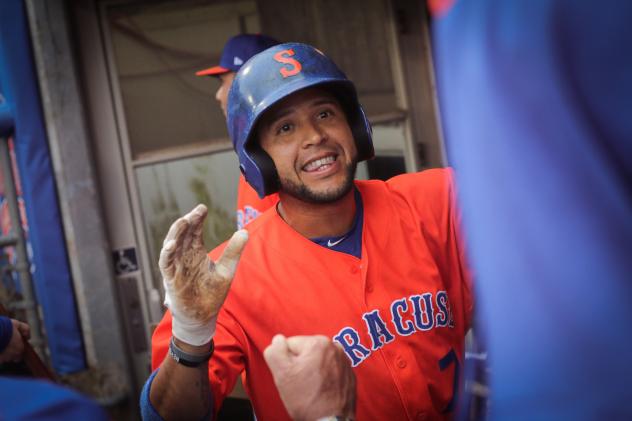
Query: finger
[24, 330]
[196, 215]
[277, 353]
[170, 246]
[176, 229]
[196, 219]
[165, 261]
[300, 344]
[227, 263]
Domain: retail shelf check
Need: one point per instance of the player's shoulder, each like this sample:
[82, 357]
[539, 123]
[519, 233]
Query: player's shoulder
[412, 193]
[430, 187]
[427, 183]
[431, 180]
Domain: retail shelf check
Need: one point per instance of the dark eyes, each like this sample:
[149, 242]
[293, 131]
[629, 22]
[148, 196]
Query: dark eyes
[284, 128]
[287, 127]
[325, 114]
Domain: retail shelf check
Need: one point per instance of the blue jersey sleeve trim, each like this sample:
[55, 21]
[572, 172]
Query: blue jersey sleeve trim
[147, 410]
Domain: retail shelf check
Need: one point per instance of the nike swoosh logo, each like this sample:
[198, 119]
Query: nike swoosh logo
[330, 244]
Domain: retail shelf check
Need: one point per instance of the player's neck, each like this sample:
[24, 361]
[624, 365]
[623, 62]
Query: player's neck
[318, 220]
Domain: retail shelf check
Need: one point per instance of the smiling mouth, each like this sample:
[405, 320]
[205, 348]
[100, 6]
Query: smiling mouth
[320, 164]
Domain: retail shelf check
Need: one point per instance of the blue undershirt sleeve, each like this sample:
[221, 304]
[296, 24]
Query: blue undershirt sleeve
[147, 410]
[6, 331]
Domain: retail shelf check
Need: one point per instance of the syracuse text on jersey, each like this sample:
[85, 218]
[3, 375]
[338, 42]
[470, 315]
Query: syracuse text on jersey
[425, 317]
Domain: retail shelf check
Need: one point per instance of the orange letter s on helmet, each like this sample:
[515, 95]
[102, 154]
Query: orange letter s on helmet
[281, 58]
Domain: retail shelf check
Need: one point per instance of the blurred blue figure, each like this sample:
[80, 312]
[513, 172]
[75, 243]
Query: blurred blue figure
[536, 102]
[37, 400]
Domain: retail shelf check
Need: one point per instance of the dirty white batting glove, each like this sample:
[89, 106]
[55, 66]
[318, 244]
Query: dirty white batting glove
[195, 286]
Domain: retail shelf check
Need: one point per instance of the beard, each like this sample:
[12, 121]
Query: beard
[304, 193]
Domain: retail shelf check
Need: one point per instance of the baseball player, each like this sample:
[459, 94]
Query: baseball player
[375, 266]
[236, 52]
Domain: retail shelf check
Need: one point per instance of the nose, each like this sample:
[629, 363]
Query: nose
[314, 135]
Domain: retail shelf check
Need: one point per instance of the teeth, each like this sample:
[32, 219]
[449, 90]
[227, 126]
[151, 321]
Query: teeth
[319, 163]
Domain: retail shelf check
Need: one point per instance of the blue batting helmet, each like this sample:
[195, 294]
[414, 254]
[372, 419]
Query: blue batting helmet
[271, 76]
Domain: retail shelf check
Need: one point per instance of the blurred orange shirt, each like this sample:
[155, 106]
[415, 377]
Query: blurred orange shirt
[249, 205]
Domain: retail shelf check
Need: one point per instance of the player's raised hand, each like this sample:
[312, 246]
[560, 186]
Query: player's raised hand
[195, 286]
[313, 376]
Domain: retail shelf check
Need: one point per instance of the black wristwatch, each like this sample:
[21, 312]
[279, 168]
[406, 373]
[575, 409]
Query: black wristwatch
[186, 359]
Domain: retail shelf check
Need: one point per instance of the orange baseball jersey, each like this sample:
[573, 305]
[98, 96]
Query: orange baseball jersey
[249, 205]
[400, 312]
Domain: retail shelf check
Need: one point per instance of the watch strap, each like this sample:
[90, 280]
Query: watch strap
[186, 359]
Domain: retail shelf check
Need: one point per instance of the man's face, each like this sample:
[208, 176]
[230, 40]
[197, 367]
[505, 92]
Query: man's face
[309, 139]
[225, 80]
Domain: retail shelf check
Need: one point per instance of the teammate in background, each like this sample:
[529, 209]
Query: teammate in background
[375, 266]
[536, 99]
[236, 52]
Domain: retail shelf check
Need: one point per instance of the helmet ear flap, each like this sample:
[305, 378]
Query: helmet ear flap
[268, 171]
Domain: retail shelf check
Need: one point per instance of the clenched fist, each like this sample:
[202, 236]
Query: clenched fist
[313, 376]
[195, 286]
